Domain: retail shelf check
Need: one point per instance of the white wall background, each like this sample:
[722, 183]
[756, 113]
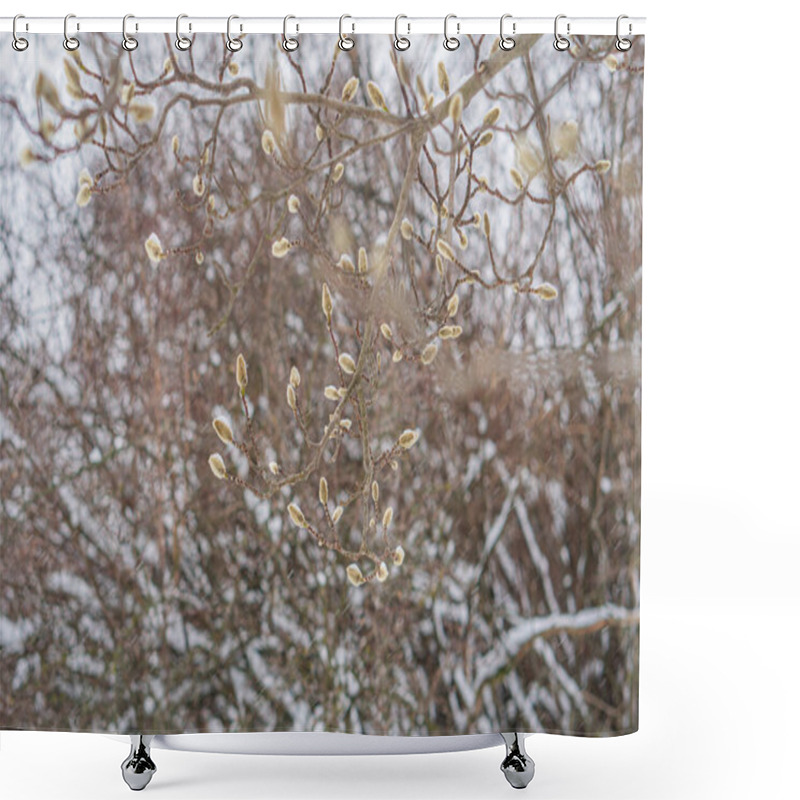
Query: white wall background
[720, 695]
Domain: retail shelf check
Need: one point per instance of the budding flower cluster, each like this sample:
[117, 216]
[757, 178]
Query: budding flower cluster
[223, 430]
[217, 466]
[450, 331]
[297, 515]
[331, 392]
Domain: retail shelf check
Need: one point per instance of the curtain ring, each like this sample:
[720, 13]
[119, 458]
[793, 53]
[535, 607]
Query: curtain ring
[560, 43]
[70, 42]
[507, 42]
[289, 44]
[451, 42]
[623, 44]
[231, 42]
[18, 43]
[345, 42]
[401, 42]
[181, 42]
[128, 42]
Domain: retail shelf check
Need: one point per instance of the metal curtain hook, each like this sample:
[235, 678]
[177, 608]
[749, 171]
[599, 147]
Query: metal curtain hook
[451, 42]
[231, 42]
[181, 42]
[507, 42]
[289, 43]
[560, 43]
[70, 42]
[623, 44]
[128, 42]
[345, 41]
[401, 42]
[18, 43]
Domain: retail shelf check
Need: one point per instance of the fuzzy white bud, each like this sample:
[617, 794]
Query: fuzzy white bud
[349, 90]
[297, 515]
[281, 247]
[398, 555]
[407, 438]
[241, 373]
[223, 430]
[354, 575]
[347, 363]
[217, 466]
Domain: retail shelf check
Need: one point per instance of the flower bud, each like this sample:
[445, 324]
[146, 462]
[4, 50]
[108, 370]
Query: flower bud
[354, 575]
[155, 252]
[198, 185]
[297, 515]
[293, 204]
[323, 491]
[223, 430]
[347, 364]
[455, 108]
[376, 96]
[546, 291]
[268, 142]
[517, 179]
[387, 332]
[429, 353]
[319, 132]
[445, 250]
[233, 68]
[176, 143]
[487, 225]
[406, 230]
[337, 514]
[327, 303]
[331, 392]
[611, 62]
[294, 377]
[217, 466]
[398, 555]
[337, 173]
[407, 438]
[602, 166]
[376, 491]
[273, 467]
[291, 397]
[441, 74]
[387, 517]
[397, 356]
[241, 373]
[363, 263]
[281, 247]
[382, 573]
[491, 117]
[349, 90]
[452, 306]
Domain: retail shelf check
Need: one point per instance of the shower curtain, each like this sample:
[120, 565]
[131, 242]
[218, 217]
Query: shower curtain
[320, 384]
